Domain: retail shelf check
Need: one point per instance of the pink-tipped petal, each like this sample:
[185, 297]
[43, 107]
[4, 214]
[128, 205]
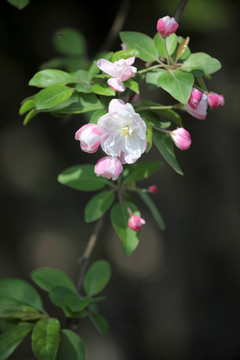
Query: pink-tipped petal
[130, 60]
[116, 85]
[89, 137]
[116, 105]
[195, 98]
[106, 66]
[215, 100]
[108, 167]
[166, 26]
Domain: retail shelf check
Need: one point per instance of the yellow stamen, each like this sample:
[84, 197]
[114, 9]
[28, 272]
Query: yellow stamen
[125, 131]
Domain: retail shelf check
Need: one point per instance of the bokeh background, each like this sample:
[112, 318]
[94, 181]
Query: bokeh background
[178, 295]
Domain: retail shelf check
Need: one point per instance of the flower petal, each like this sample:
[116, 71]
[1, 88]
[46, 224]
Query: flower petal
[116, 85]
[106, 66]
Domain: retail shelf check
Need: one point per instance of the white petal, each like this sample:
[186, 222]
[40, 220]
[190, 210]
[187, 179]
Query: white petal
[106, 66]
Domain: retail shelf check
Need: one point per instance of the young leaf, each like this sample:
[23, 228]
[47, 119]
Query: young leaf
[98, 205]
[17, 291]
[177, 83]
[45, 339]
[187, 51]
[69, 41]
[32, 113]
[96, 115]
[142, 43]
[97, 277]
[21, 312]
[47, 278]
[45, 78]
[103, 89]
[164, 144]
[77, 303]
[182, 47]
[149, 136]
[20, 4]
[83, 103]
[132, 85]
[143, 169]
[119, 217]
[156, 214]
[28, 105]
[171, 41]
[10, 339]
[52, 96]
[71, 346]
[58, 294]
[82, 177]
[201, 64]
[100, 323]
[124, 54]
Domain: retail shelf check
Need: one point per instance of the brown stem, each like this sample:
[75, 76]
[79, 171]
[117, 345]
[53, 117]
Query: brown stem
[117, 25]
[180, 9]
[83, 261]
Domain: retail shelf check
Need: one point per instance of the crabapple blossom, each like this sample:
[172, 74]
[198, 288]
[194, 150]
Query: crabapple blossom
[199, 111]
[123, 132]
[119, 71]
[215, 100]
[136, 222]
[181, 138]
[108, 167]
[153, 189]
[89, 137]
[166, 26]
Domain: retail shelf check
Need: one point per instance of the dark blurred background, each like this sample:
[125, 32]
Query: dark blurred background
[178, 295]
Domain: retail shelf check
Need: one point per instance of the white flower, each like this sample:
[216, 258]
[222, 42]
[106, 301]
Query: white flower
[123, 132]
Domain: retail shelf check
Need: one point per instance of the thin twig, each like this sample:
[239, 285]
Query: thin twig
[83, 261]
[180, 9]
[117, 25]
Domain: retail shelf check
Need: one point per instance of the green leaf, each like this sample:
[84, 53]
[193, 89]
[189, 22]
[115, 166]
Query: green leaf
[149, 136]
[21, 312]
[76, 303]
[143, 169]
[83, 103]
[10, 339]
[52, 96]
[124, 54]
[201, 64]
[28, 105]
[45, 78]
[119, 217]
[47, 278]
[164, 144]
[20, 4]
[17, 291]
[156, 214]
[103, 89]
[82, 177]
[132, 85]
[177, 83]
[97, 277]
[142, 43]
[69, 41]
[83, 80]
[30, 116]
[96, 115]
[171, 41]
[45, 339]
[71, 346]
[98, 205]
[100, 323]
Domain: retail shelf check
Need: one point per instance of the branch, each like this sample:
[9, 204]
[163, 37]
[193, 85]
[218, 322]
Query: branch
[180, 9]
[117, 25]
[83, 261]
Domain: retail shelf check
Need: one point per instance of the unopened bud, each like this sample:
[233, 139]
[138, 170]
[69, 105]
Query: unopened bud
[136, 222]
[181, 138]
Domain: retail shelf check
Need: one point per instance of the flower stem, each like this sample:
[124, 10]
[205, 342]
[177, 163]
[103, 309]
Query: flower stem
[166, 49]
[155, 107]
[150, 68]
[162, 130]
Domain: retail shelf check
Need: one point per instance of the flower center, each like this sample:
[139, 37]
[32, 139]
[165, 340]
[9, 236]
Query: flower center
[125, 131]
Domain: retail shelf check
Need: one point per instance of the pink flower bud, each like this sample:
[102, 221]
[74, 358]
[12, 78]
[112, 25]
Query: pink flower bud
[89, 137]
[181, 138]
[195, 98]
[136, 223]
[166, 26]
[153, 189]
[200, 109]
[215, 100]
[108, 167]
